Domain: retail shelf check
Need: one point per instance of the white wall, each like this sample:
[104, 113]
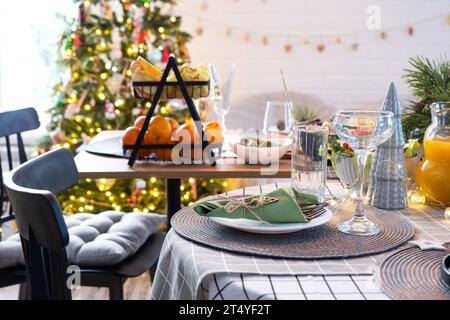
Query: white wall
[27, 53]
[338, 76]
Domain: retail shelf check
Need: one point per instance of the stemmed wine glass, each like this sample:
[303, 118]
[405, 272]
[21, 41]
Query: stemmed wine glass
[222, 81]
[363, 130]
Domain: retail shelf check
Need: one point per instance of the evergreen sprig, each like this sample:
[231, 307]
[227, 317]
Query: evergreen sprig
[430, 82]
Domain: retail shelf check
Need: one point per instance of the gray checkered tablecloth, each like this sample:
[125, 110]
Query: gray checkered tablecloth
[291, 287]
[190, 271]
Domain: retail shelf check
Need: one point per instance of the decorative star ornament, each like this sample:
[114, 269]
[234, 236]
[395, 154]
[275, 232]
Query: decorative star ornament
[428, 245]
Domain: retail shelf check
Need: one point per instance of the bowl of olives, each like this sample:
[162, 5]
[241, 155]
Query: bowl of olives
[261, 151]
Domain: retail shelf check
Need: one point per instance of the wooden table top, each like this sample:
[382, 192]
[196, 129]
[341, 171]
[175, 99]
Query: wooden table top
[95, 167]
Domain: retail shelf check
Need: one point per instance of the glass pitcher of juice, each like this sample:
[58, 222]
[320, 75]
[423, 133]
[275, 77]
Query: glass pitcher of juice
[433, 172]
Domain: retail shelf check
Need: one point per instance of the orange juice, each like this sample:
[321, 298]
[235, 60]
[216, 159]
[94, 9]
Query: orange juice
[433, 172]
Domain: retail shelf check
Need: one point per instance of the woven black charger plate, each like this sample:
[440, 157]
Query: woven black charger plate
[323, 242]
[413, 274]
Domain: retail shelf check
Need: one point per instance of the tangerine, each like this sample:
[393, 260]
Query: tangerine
[159, 131]
[213, 132]
[212, 124]
[139, 121]
[214, 135]
[187, 133]
[173, 123]
[130, 136]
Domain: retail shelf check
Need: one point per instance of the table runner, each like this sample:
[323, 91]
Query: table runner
[184, 266]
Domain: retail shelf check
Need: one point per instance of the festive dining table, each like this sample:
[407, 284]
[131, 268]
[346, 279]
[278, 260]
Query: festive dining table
[95, 166]
[188, 270]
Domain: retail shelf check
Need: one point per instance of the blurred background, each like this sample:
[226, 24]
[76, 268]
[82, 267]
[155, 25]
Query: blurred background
[330, 58]
[70, 59]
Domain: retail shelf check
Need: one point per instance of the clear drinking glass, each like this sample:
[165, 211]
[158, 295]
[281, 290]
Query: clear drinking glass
[278, 119]
[363, 130]
[222, 81]
[309, 160]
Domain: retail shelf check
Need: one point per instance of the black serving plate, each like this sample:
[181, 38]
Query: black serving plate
[446, 270]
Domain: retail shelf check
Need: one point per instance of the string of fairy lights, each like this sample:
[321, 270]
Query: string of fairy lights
[95, 94]
[85, 202]
[106, 44]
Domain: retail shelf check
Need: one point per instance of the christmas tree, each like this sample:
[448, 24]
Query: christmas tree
[95, 94]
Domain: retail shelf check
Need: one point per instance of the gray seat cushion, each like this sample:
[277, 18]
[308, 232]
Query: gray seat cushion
[102, 239]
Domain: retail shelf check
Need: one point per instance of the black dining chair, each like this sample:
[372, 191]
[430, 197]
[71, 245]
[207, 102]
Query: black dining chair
[14, 123]
[32, 189]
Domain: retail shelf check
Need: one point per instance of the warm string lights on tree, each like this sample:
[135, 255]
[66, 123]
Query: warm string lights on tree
[138, 196]
[95, 94]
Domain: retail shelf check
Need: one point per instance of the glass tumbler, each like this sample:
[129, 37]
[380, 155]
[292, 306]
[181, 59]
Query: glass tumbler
[278, 118]
[309, 160]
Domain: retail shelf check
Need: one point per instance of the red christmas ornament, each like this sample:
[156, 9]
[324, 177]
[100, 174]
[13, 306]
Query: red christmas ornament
[76, 41]
[142, 36]
[165, 55]
[126, 5]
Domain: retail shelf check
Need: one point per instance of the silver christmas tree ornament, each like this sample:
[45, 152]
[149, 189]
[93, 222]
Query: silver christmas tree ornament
[387, 186]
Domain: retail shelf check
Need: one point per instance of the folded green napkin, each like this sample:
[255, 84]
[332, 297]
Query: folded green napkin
[279, 206]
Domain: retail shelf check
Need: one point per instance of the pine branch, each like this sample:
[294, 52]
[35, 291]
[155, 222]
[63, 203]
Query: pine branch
[429, 82]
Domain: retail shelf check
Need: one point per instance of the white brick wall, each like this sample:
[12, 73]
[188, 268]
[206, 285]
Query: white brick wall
[338, 76]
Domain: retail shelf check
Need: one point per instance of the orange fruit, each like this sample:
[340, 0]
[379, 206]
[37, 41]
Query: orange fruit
[159, 131]
[212, 124]
[130, 136]
[139, 121]
[213, 132]
[173, 123]
[168, 152]
[188, 132]
[214, 135]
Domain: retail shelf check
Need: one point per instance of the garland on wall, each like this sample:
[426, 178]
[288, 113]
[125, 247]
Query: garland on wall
[319, 42]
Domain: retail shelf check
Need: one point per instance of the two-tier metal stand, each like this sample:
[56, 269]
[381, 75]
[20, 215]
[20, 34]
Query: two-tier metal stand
[153, 91]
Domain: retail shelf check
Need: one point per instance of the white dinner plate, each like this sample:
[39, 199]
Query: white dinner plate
[254, 226]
